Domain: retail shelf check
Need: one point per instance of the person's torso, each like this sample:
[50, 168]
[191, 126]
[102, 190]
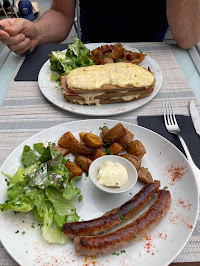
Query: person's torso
[123, 21]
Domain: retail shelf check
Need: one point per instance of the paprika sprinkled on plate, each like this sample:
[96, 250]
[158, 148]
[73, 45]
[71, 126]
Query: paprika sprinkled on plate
[162, 236]
[178, 218]
[176, 173]
[185, 205]
[149, 245]
[89, 260]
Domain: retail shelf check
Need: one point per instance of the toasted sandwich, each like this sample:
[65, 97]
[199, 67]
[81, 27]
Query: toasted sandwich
[109, 83]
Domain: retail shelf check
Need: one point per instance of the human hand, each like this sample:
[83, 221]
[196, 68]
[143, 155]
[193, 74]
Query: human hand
[20, 35]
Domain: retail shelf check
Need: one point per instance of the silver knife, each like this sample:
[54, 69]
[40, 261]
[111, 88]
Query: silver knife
[195, 117]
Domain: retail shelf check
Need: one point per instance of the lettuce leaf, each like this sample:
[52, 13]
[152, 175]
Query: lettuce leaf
[29, 156]
[43, 187]
[17, 200]
[50, 234]
[75, 56]
[62, 206]
[77, 48]
[70, 190]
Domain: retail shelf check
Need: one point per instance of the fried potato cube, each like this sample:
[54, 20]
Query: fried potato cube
[92, 57]
[104, 130]
[80, 148]
[136, 148]
[95, 51]
[108, 60]
[144, 175]
[74, 169]
[81, 134]
[105, 49]
[92, 140]
[133, 159]
[83, 162]
[64, 151]
[118, 51]
[125, 141]
[115, 148]
[90, 157]
[96, 154]
[114, 133]
[99, 59]
[134, 57]
[66, 140]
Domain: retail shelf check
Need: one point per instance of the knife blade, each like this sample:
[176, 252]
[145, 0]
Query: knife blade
[195, 117]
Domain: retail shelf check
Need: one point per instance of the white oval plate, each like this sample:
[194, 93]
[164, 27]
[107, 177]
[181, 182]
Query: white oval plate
[51, 91]
[160, 246]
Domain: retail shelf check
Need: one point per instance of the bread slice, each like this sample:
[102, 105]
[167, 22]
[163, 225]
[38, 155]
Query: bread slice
[109, 83]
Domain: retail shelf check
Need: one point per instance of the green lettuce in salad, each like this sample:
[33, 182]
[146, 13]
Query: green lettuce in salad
[64, 62]
[43, 187]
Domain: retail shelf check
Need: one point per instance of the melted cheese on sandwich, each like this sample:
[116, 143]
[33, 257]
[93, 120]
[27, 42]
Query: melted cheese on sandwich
[118, 74]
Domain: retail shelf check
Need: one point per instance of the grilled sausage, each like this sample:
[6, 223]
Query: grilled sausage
[113, 217]
[108, 243]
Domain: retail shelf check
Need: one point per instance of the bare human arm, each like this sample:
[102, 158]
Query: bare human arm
[184, 21]
[54, 26]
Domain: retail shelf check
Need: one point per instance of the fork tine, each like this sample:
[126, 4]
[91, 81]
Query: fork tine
[168, 117]
[173, 115]
[170, 113]
[164, 112]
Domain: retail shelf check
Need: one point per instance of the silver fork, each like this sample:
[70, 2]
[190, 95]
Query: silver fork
[173, 127]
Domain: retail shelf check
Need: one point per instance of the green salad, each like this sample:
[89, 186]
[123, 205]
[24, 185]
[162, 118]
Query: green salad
[42, 186]
[64, 62]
